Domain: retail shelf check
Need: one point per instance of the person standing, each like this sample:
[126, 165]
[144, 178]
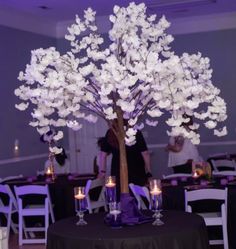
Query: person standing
[60, 162]
[182, 152]
[138, 159]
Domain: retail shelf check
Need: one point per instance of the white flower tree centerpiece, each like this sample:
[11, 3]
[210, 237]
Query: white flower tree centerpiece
[135, 77]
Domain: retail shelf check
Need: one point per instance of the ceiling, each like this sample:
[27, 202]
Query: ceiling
[54, 12]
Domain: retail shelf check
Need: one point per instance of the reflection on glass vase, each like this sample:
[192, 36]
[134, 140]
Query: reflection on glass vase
[114, 213]
[156, 200]
[81, 205]
[157, 208]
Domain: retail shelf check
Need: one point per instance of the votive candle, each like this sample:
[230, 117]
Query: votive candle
[110, 183]
[80, 195]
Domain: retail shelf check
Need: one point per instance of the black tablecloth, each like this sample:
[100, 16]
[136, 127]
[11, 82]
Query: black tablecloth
[180, 231]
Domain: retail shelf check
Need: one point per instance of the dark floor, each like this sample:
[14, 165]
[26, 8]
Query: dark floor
[13, 244]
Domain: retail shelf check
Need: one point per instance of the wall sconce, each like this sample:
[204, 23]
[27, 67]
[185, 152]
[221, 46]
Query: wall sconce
[16, 147]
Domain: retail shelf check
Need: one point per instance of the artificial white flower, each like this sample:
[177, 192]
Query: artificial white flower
[22, 106]
[132, 122]
[164, 104]
[91, 118]
[210, 124]
[130, 140]
[175, 121]
[155, 112]
[55, 150]
[151, 122]
[74, 125]
[43, 130]
[34, 124]
[131, 132]
[58, 136]
[221, 132]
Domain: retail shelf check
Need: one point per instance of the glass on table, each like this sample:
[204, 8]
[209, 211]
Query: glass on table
[110, 184]
[156, 201]
[80, 197]
[157, 208]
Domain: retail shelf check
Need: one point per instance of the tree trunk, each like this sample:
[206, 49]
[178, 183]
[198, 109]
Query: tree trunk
[124, 188]
[124, 185]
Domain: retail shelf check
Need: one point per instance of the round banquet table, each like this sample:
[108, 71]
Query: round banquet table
[180, 231]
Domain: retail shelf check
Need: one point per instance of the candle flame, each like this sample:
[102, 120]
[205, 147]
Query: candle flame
[195, 174]
[155, 191]
[48, 172]
[110, 182]
[80, 194]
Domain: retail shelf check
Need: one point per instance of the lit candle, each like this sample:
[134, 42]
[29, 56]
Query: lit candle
[155, 191]
[195, 174]
[49, 172]
[155, 188]
[110, 182]
[80, 195]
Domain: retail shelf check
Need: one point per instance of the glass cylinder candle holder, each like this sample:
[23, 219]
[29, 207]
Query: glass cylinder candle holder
[110, 184]
[156, 201]
[80, 196]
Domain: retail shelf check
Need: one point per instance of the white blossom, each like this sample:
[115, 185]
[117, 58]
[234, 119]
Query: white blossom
[43, 130]
[58, 136]
[22, 106]
[221, 132]
[55, 150]
[210, 124]
[155, 112]
[139, 126]
[131, 132]
[74, 125]
[91, 118]
[151, 122]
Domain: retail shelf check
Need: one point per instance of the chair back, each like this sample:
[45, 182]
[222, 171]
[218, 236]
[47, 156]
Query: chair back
[31, 190]
[99, 182]
[224, 173]
[35, 190]
[9, 178]
[225, 164]
[206, 194]
[8, 206]
[211, 218]
[32, 209]
[5, 189]
[87, 187]
[177, 175]
[139, 192]
[21, 191]
[101, 201]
